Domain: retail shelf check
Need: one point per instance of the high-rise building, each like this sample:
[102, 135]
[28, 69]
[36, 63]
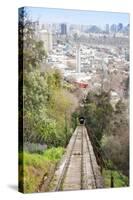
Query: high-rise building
[63, 29]
[107, 28]
[35, 25]
[46, 37]
[120, 27]
[127, 29]
[46, 27]
[113, 28]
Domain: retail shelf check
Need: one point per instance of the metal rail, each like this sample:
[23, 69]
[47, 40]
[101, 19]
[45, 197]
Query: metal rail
[91, 161]
[63, 175]
[61, 179]
[82, 160]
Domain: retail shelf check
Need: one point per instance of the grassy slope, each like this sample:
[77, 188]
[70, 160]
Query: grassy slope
[36, 166]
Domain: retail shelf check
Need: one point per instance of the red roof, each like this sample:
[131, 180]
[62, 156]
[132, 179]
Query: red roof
[82, 85]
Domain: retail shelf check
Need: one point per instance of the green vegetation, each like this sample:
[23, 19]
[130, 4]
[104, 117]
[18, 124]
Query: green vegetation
[109, 130]
[54, 154]
[98, 112]
[37, 166]
[119, 179]
[45, 110]
[47, 103]
[48, 112]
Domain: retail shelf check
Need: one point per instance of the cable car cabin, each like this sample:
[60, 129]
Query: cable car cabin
[81, 120]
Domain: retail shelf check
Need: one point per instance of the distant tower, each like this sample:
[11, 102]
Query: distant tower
[120, 27]
[78, 59]
[107, 28]
[63, 29]
[113, 28]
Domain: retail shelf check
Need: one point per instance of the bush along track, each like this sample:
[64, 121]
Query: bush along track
[37, 169]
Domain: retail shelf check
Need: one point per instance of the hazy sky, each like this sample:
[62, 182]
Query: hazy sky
[50, 15]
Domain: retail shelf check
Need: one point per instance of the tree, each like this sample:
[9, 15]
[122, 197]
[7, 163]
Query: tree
[46, 106]
[116, 141]
[98, 112]
[31, 51]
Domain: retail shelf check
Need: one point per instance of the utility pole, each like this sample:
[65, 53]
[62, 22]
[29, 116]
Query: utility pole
[78, 58]
[112, 180]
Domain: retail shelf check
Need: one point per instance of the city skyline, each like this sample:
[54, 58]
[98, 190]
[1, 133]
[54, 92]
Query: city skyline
[99, 18]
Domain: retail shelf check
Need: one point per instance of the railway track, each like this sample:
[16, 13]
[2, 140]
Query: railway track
[78, 169]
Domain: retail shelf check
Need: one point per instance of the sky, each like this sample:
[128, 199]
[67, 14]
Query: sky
[52, 15]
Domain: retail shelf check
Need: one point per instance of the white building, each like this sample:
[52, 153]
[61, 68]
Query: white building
[78, 59]
[46, 37]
